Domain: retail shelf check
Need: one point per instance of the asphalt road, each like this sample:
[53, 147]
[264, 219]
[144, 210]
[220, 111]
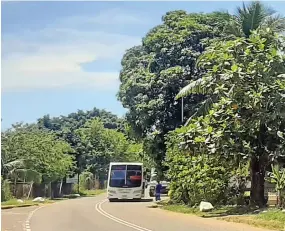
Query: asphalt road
[91, 214]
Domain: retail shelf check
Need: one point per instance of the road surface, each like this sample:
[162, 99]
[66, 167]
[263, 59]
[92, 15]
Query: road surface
[91, 214]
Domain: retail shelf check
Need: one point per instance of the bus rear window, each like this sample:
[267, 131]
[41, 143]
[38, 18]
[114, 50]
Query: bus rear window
[118, 176]
[134, 176]
[125, 176]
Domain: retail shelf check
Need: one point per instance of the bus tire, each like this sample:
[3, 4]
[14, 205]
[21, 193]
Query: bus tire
[151, 193]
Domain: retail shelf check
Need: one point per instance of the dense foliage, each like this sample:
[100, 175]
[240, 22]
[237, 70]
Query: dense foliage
[244, 117]
[153, 73]
[230, 72]
[66, 128]
[5, 190]
[59, 147]
[195, 178]
[98, 146]
[31, 154]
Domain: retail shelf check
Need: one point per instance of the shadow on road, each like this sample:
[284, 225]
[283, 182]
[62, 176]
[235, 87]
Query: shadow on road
[139, 200]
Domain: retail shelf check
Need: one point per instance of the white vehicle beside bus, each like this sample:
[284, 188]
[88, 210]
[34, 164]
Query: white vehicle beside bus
[125, 181]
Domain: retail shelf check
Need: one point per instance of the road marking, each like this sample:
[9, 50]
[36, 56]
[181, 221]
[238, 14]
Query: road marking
[116, 219]
[12, 213]
[27, 226]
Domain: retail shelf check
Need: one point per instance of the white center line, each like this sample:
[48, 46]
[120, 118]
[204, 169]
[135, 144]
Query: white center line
[116, 219]
[27, 226]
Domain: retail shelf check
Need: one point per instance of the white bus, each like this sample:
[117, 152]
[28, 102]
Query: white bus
[125, 181]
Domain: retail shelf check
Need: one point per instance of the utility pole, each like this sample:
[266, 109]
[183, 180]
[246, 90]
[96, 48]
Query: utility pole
[182, 111]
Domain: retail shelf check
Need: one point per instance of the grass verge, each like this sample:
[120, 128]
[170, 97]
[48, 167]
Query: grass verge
[217, 212]
[13, 203]
[85, 193]
[91, 193]
[271, 219]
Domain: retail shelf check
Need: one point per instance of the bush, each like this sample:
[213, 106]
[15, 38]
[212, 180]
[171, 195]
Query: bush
[195, 179]
[86, 180]
[74, 189]
[5, 190]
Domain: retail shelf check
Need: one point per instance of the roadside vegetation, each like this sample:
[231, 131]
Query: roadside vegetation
[229, 72]
[269, 219]
[44, 154]
[14, 203]
[228, 145]
[274, 220]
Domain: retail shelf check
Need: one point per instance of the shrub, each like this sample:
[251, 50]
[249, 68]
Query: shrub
[86, 180]
[74, 189]
[5, 190]
[195, 179]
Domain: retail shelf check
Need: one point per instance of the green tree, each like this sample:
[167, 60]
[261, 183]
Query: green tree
[195, 177]
[38, 152]
[254, 16]
[65, 128]
[245, 87]
[98, 146]
[153, 73]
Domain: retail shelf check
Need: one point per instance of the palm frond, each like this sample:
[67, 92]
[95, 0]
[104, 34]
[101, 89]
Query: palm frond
[195, 87]
[14, 164]
[203, 109]
[233, 28]
[252, 16]
[275, 22]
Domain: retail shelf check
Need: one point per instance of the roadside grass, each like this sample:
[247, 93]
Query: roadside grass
[271, 219]
[14, 203]
[85, 193]
[91, 193]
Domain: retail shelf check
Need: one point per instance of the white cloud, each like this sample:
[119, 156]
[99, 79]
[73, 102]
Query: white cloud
[113, 16]
[52, 57]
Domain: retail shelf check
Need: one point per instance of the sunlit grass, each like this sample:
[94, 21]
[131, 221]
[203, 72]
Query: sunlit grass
[92, 192]
[272, 219]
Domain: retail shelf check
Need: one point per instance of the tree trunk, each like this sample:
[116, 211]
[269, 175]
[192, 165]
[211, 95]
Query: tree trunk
[257, 181]
[29, 193]
[279, 199]
[60, 187]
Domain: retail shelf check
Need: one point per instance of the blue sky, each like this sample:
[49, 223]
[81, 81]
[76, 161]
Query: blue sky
[58, 57]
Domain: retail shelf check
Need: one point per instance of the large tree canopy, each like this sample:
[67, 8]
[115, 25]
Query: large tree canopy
[36, 151]
[98, 146]
[65, 128]
[245, 90]
[154, 72]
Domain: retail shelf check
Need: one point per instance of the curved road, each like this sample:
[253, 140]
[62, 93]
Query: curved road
[89, 214]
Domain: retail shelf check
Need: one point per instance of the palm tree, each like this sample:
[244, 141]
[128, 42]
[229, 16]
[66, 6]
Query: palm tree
[277, 177]
[16, 170]
[248, 18]
[254, 16]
